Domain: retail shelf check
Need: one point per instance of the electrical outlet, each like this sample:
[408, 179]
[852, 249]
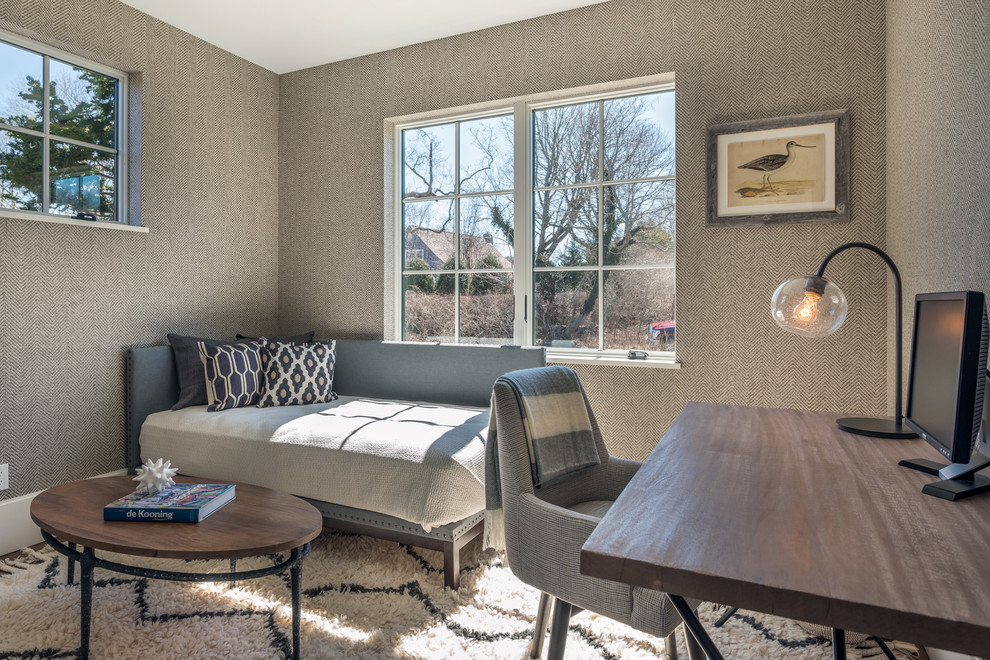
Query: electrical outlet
[4, 476]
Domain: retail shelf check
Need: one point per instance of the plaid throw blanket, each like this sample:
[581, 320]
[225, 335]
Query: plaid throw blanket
[558, 433]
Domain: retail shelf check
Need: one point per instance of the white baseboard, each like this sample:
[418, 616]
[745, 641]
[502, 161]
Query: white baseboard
[17, 530]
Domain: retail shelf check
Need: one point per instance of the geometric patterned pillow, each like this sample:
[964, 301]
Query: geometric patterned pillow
[297, 374]
[233, 374]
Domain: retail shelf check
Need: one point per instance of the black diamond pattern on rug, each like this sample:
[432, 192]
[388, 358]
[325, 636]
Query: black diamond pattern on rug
[362, 598]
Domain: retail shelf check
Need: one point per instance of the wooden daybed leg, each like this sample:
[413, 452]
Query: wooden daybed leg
[452, 555]
[451, 564]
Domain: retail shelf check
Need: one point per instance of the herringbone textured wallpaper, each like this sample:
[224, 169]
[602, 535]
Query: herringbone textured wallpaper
[72, 297]
[734, 61]
[938, 154]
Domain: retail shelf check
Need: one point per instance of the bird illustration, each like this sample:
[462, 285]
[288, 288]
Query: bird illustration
[772, 163]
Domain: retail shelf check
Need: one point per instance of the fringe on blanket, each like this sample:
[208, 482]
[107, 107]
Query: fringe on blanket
[494, 529]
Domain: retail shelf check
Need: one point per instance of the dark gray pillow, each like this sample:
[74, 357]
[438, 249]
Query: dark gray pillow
[189, 368]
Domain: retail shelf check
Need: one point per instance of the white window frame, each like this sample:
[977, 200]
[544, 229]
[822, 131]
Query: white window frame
[455, 197]
[121, 213]
[523, 274]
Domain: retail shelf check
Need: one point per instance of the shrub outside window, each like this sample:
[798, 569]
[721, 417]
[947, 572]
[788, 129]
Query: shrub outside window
[60, 134]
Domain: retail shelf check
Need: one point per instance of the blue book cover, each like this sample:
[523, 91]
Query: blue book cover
[178, 503]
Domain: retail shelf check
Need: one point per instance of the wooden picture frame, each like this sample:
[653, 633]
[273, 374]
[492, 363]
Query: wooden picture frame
[777, 171]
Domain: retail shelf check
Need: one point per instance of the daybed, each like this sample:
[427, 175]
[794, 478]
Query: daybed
[400, 455]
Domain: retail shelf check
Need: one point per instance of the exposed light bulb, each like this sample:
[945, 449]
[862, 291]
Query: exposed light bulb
[807, 311]
[809, 306]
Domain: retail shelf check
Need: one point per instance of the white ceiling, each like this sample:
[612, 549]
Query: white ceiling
[288, 35]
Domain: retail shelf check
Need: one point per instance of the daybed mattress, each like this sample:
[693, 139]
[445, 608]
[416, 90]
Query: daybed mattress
[422, 462]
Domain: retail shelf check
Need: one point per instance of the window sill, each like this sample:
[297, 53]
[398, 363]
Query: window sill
[613, 360]
[65, 220]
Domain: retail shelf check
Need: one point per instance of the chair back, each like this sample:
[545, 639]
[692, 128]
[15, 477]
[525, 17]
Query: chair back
[516, 475]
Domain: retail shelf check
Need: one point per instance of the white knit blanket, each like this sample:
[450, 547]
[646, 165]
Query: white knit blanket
[421, 462]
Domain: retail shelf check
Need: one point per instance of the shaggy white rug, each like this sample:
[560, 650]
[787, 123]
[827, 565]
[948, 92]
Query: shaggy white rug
[362, 598]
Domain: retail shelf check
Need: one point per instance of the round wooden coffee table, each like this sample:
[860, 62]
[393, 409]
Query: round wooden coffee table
[258, 521]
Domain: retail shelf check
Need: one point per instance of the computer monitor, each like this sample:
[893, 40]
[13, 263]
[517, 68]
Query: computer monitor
[945, 404]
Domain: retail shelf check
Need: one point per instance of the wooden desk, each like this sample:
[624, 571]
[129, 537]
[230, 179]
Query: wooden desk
[780, 512]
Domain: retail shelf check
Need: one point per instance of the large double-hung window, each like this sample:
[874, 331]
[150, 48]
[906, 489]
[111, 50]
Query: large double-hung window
[547, 223]
[60, 134]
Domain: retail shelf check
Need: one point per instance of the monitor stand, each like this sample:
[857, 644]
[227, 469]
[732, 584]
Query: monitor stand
[959, 480]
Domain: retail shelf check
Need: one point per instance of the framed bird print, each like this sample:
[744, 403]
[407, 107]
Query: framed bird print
[776, 171]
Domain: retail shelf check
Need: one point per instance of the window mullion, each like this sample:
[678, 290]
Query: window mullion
[522, 224]
[45, 127]
[457, 232]
[399, 225]
[601, 225]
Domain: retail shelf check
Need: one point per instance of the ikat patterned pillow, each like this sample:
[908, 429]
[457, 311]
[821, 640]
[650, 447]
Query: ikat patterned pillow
[297, 374]
[233, 374]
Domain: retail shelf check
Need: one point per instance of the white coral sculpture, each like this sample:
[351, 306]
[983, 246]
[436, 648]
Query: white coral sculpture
[155, 477]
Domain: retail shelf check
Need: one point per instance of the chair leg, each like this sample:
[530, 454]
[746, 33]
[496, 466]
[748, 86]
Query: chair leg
[695, 652]
[540, 633]
[670, 645]
[838, 644]
[883, 647]
[558, 629]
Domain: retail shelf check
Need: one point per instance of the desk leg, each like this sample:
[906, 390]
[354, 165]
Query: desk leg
[86, 601]
[233, 569]
[838, 644]
[71, 577]
[694, 627]
[295, 574]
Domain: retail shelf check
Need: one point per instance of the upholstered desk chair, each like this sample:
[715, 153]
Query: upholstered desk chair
[545, 529]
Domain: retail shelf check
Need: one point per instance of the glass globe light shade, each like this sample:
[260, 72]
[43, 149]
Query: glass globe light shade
[810, 306]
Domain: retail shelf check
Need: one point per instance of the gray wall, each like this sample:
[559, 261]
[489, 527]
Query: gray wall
[733, 61]
[72, 297]
[938, 145]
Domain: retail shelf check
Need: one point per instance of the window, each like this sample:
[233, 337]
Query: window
[568, 243]
[457, 223]
[60, 134]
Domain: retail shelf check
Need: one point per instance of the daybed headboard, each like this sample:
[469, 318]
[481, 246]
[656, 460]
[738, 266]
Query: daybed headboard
[150, 385]
[441, 373]
[458, 374]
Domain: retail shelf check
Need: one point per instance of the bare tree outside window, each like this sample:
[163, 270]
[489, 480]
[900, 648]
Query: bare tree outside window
[603, 227]
[457, 217]
[603, 219]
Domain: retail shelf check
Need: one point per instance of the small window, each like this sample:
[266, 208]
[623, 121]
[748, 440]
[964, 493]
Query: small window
[60, 134]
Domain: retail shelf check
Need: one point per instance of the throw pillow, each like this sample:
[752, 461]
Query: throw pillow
[304, 338]
[189, 368]
[233, 374]
[297, 374]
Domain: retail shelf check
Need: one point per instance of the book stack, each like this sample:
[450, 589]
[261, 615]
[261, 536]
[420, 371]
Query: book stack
[178, 503]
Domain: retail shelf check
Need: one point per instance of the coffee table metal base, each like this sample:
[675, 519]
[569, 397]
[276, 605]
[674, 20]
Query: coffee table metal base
[88, 561]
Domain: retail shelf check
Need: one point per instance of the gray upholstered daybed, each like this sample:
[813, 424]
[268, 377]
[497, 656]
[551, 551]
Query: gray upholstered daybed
[400, 455]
